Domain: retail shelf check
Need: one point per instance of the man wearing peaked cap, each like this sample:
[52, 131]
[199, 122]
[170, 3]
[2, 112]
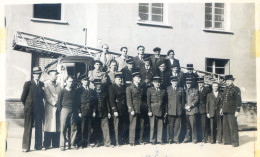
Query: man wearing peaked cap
[146, 73]
[117, 99]
[101, 115]
[192, 75]
[32, 99]
[127, 72]
[230, 109]
[136, 107]
[156, 101]
[156, 58]
[174, 110]
[191, 108]
[86, 109]
[203, 121]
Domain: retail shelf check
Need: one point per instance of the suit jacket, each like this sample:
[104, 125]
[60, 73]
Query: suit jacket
[231, 101]
[135, 97]
[203, 99]
[213, 104]
[168, 63]
[192, 98]
[156, 101]
[155, 62]
[138, 64]
[101, 102]
[32, 97]
[117, 99]
[175, 101]
[85, 101]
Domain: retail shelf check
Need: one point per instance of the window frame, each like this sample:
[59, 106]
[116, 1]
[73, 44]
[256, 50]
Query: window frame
[226, 28]
[61, 21]
[149, 22]
[226, 67]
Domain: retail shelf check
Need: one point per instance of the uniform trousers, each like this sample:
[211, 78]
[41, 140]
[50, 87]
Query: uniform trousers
[191, 126]
[30, 118]
[100, 126]
[86, 130]
[120, 128]
[203, 127]
[230, 129]
[136, 125]
[173, 128]
[156, 125]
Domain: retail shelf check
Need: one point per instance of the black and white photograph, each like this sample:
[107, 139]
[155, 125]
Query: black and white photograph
[142, 79]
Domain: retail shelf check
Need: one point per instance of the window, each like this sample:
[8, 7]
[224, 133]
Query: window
[215, 16]
[76, 69]
[151, 12]
[47, 11]
[217, 66]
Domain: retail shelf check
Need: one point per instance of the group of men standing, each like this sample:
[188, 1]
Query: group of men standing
[123, 99]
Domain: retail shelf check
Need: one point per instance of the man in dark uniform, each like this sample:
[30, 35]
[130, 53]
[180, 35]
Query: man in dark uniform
[164, 75]
[139, 60]
[192, 75]
[136, 108]
[156, 58]
[174, 110]
[32, 99]
[146, 74]
[117, 99]
[127, 72]
[156, 101]
[191, 102]
[101, 115]
[231, 104]
[214, 100]
[86, 108]
[203, 121]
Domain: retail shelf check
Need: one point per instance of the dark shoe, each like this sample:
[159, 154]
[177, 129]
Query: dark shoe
[161, 143]
[153, 143]
[186, 140]
[170, 142]
[26, 150]
[235, 145]
[46, 148]
[111, 146]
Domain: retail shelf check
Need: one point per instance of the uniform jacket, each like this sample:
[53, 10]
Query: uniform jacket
[135, 99]
[192, 98]
[85, 101]
[101, 102]
[146, 74]
[194, 77]
[156, 101]
[117, 99]
[155, 62]
[203, 99]
[180, 78]
[231, 99]
[52, 121]
[175, 101]
[32, 97]
[165, 78]
[127, 75]
[168, 63]
[213, 104]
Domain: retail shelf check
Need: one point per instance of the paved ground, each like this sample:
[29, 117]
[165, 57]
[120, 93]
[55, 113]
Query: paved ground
[246, 148]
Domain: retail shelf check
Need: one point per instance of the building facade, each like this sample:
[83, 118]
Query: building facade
[215, 37]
